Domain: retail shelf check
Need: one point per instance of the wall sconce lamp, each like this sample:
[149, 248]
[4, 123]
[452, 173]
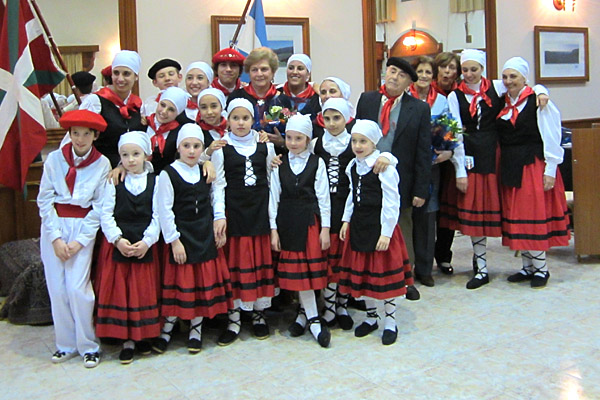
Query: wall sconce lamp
[564, 5]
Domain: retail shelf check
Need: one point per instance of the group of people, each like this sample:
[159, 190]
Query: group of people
[214, 198]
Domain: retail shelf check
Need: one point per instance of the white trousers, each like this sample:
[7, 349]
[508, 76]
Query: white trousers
[71, 293]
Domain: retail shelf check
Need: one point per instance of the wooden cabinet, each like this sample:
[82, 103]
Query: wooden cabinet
[586, 195]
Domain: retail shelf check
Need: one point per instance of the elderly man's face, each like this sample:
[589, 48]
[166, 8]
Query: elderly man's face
[396, 80]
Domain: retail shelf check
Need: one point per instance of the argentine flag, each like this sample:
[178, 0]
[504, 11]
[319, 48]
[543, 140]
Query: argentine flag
[254, 31]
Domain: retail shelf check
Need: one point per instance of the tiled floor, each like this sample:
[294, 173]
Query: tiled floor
[503, 341]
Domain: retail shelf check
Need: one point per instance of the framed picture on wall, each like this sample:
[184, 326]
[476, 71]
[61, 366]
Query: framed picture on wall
[286, 36]
[561, 54]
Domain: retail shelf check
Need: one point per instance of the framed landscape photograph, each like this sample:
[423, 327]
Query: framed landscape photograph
[561, 54]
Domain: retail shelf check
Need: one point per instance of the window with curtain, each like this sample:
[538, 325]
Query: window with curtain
[76, 58]
[461, 6]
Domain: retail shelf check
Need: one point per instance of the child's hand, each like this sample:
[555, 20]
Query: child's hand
[124, 246]
[139, 249]
[178, 252]
[418, 202]
[74, 247]
[208, 170]
[263, 137]
[383, 243]
[542, 100]
[276, 161]
[143, 120]
[61, 250]
[344, 232]
[117, 175]
[462, 184]
[220, 227]
[443, 155]
[381, 164]
[324, 239]
[276, 138]
[214, 146]
[548, 182]
[275, 244]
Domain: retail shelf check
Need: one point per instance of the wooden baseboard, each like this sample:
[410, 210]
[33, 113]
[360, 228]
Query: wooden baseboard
[580, 123]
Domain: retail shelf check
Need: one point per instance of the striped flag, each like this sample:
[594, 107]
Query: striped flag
[254, 31]
[27, 72]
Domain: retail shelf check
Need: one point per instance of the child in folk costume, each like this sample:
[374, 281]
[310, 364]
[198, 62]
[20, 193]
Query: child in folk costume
[128, 264]
[375, 257]
[211, 106]
[299, 213]
[243, 168]
[164, 74]
[70, 201]
[198, 76]
[163, 127]
[192, 218]
[228, 65]
[532, 192]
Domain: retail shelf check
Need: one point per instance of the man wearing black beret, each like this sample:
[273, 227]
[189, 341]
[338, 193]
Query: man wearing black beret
[405, 123]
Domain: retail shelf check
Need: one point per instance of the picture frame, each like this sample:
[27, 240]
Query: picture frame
[561, 54]
[284, 31]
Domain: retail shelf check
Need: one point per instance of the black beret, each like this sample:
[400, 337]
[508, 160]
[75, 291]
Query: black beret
[404, 66]
[164, 63]
[83, 78]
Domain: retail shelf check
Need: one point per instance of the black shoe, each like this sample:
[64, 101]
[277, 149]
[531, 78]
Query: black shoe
[412, 293]
[331, 323]
[345, 322]
[160, 345]
[364, 329]
[357, 304]
[324, 337]
[261, 331]
[426, 280]
[476, 283]
[538, 282]
[227, 337]
[389, 336]
[446, 269]
[194, 346]
[295, 328]
[126, 356]
[520, 277]
[143, 347]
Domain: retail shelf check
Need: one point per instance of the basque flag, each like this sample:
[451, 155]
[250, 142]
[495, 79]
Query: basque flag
[254, 31]
[27, 72]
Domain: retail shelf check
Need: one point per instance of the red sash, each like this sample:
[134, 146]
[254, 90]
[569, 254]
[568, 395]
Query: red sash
[71, 211]
[191, 104]
[483, 88]
[133, 104]
[515, 112]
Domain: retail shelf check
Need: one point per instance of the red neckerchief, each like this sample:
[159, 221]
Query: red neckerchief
[217, 85]
[158, 139]
[321, 122]
[385, 110]
[270, 93]
[515, 113]
[67, 151]
[221, 128]
[431, 95]
[133, 104]
[441, 91]
[191, 104]
[483, 88]
[157, 99]
[304, 95]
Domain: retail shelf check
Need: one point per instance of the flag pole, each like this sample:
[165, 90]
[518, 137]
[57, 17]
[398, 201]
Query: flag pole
[58, 56]
[240, 23]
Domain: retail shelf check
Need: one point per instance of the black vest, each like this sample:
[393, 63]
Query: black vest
[208, 138]
[365, 224]
[519, 144]
[481, 143]
[193, 218]
[247, 206]
[108, 141]
[133, 214]
[159, 162]
[298, 204]
[338, 195]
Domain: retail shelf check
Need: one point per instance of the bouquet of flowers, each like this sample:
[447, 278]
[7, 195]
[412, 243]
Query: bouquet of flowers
[276, 117]
[444, 133]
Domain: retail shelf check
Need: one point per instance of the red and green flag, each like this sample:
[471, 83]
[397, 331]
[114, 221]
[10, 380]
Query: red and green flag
[27, 72]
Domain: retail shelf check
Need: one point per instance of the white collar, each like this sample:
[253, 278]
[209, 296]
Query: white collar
[342, 137]
[82, 158]
[370, 159]
[303, 156]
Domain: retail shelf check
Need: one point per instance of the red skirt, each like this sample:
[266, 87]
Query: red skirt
[334, 256]
[533, 219]
[379, 274]
[127, 297]
[196, 290]
[448, 199]
[250, 267]
[304, 270]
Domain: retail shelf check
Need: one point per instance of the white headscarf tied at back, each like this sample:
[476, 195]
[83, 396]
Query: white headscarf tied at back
[368, 128]
[204, 67]
[338, 104]
[129, 59]
[240, 102]
[344, 90]
[136, 137]
[473, 55]
[518, 64]
[303, 58]
[177, 96]
[190, 130]
[300, 123]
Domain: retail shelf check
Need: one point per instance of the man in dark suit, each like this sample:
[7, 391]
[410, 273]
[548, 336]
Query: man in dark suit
[405, 122]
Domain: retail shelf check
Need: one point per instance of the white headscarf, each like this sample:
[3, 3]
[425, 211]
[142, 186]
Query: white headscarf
[518, 64]
[129, 59]
[190, 130]
[300, 123]
[303, 58]
[177, 96]
[368, 128]
[338, 104]
[344, 90]
[215, 92]
[473, 55]
[240, 102]
[208, 71]
[136, 137]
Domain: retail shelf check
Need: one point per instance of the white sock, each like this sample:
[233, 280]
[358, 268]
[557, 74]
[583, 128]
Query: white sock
[479, 251]
[329, 298]
[129, 344]
[342, 304]
[301, 318]
[527, 263]
[309, 303]
[234, 321]
[258, 316]
[168, 328]
[196, 328]
[539, 262]
[389, 306]
[372, 315]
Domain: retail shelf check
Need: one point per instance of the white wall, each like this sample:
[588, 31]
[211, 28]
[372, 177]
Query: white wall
[335, 34]
[516, 19]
